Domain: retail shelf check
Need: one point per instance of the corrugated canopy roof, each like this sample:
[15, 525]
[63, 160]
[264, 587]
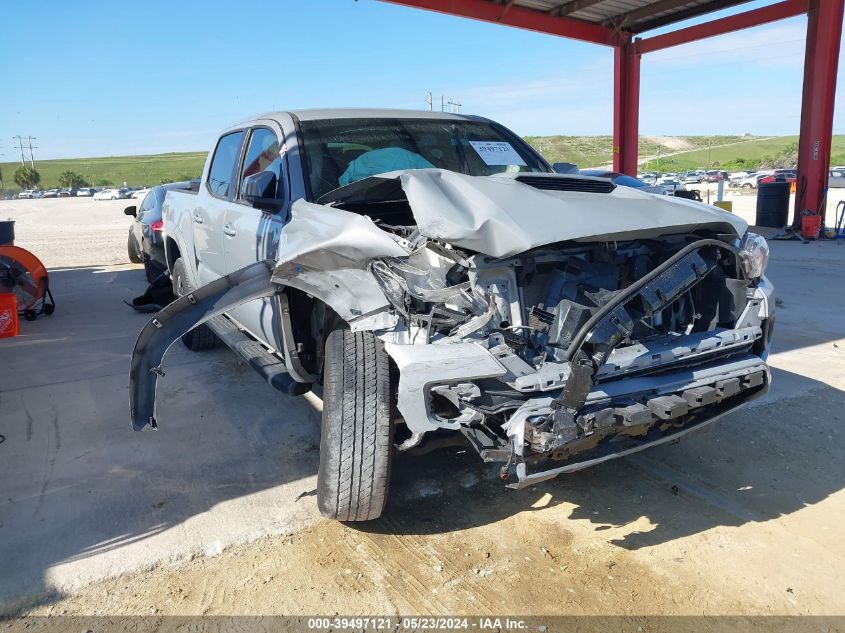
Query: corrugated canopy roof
[634, 16]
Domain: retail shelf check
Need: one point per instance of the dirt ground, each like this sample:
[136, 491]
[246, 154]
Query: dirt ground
[743, 519]
[629, 538]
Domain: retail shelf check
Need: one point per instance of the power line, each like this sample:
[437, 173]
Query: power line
[20, 145]
[454, 105]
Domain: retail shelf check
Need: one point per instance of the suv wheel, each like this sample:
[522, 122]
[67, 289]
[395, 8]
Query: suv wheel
[201, 337]
[356, 442]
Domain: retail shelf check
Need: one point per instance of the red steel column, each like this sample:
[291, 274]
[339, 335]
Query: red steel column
[824, 30]
[626, 106]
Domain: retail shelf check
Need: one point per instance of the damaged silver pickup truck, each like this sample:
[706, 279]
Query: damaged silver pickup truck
[437, 277]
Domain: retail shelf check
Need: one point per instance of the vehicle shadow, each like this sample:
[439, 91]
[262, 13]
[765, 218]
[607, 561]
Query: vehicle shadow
[757, 464]
[83, 495]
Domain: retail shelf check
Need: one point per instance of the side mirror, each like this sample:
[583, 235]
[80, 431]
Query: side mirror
[565, 168]
[259, 190]
[133, 211]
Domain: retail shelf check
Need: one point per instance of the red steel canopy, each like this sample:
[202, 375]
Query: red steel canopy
[620, 23]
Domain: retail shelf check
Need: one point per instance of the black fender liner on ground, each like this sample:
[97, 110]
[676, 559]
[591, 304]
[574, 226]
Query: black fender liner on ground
[196, 307]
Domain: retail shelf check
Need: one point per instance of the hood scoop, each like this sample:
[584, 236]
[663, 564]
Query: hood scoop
[568, 183]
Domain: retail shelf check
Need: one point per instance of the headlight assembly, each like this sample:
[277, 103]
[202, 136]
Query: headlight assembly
[754, 255]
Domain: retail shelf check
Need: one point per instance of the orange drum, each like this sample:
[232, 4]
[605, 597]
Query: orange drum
[23, 274]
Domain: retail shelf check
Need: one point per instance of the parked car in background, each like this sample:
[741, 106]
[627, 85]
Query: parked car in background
[27, 194]
[111, 194]
[85, 192]
[750, 182]
[137, 194]
[836, 179]
[668, 185]
[649, 178]
[68, 192]
[622, 180]
[715, 176]
[50, 193]
[780, 175]
[734, 178]
[691, 177]
[146, 233]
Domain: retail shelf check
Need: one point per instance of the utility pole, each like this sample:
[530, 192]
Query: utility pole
[31, 158]
[19, 139]
[442, 103]
[454, 106]
[429, 101]
[709, 162]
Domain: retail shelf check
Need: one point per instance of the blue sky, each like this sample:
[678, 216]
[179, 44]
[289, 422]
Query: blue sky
[96, 78]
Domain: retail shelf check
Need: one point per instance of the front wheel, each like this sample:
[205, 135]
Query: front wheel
[356, 442]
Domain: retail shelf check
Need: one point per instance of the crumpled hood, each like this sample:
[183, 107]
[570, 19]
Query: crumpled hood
[501, 217]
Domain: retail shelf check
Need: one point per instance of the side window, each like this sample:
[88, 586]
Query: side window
[146, 204]
[222, 168]
[149, 201]
[263, 154]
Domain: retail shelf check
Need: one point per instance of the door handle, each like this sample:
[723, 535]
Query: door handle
[197, 217]
[229, 230]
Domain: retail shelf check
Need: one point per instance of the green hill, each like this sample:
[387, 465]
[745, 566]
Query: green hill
[682, 153]
[595, 151]
[133, 170]
[677, 153]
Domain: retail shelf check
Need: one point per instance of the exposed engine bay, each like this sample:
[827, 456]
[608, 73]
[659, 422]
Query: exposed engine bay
[562, 321]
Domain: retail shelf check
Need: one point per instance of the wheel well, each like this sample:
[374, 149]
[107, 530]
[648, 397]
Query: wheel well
[172, 251]
[311, 322]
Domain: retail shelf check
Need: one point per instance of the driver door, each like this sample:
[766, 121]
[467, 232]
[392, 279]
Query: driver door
[251, 235]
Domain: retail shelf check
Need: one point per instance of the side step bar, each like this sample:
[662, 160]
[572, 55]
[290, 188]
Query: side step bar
[270, 367]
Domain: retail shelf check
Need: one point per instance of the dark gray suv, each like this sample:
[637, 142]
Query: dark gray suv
[146, 235]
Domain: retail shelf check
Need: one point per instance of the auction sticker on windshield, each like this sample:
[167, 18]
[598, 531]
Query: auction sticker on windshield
[497, 153]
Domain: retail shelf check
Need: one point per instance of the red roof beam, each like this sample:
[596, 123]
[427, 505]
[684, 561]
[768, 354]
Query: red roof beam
[519, 17]
[729, 24]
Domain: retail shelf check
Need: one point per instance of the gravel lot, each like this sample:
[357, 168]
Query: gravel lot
[67, 232]
[744, 519]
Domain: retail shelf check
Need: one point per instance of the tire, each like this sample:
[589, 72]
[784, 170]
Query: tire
[356, 442]
[201, 337]
[132, 249]
[746, 186]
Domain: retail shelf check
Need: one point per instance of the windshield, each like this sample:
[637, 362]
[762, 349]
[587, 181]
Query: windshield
[341, 151]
